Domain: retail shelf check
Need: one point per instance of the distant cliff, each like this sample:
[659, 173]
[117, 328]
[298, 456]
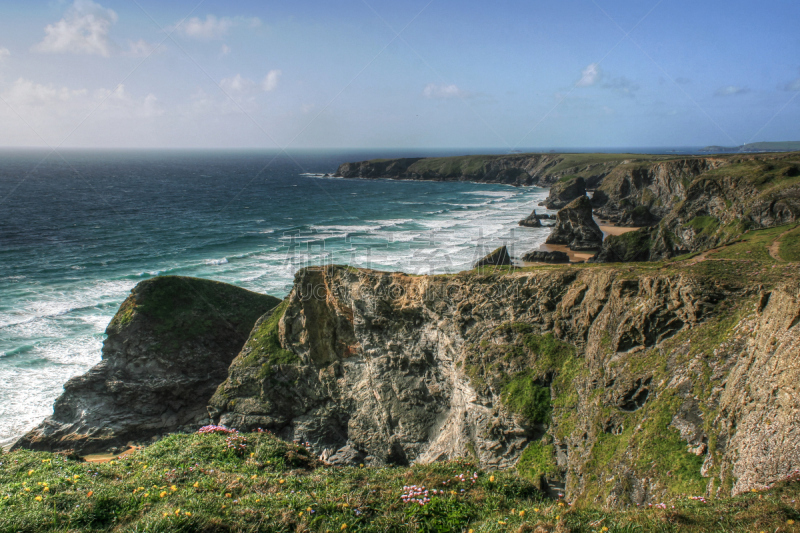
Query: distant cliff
[516, 169]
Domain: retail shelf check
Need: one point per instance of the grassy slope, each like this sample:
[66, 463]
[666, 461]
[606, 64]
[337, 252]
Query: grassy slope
[196, 483]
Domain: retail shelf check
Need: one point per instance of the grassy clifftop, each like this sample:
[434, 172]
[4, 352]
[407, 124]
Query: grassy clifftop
[256, 482]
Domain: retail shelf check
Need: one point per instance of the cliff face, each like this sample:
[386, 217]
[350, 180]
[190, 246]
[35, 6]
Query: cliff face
[619, 386]
[168, 348]
[523, 169]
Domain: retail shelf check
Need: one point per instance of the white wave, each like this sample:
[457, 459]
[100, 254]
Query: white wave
[223, 261]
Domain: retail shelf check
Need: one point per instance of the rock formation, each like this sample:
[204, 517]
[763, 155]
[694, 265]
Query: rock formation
[534, 220]
[538, 256]
[618, 382]
[575, 227]
[168, 348]
[564, 192]
[498, 257]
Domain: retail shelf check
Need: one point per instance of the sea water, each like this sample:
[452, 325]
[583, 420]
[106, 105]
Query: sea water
[78, 230]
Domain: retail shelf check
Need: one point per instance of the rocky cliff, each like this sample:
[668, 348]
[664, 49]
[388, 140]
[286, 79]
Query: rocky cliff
[514, 169]
[619, 386]
[168, 348]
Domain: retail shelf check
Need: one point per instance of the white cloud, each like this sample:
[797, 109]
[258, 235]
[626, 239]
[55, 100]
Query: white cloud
[443, 91]
[589, 76]
[141, 48]
[731, 90]
[4, 53]
[238, 84]
[271, 80]
[30, 98]
[213, 27]
[225, 49]
[83, 30]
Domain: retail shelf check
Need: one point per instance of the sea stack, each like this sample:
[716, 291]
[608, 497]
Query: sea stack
[576, 228]
[499, 257]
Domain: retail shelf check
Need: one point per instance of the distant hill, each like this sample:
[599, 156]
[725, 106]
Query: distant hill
[786, 146]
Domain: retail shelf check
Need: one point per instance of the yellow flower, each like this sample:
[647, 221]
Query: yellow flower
[252, 454]
[254, 476]
[281, 481]
[453, 492]
[223, 507]
[46, 489]
[196, 484]
[173, 488]
[790, 522]
[345, 505]
[344, 526]
[513, 511]
[521, 514]
[258, 500]
[558, 517]
[163, 493]
[227, 494]
[535, 510]
[89, 494]
[501, 522]
[471, 531]
[187, 513]
[165, 515]
[300, 515]
[177, 512]
[361, 465]
[38, 498]
[604, 528]
[140, 488]
[309, 509]
[146, 494]
[491, 479]
[27, 489]
[30, 472]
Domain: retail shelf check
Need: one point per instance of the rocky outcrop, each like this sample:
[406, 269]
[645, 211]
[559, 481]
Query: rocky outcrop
[575, 227]
[564, 192]
[514, 169]
[168, 348]
[538, 256]
[534, 220]
[498, 257]
[626, 386]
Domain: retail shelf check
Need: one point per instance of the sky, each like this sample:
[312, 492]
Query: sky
[506, 75]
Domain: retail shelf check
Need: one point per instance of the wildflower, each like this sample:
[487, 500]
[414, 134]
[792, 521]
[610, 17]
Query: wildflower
[46, 489]
[344, 526]
[258, 500]
[521, 514]
[196, 484]
[309, 510]
[30, 472]
[89, 494]
[361, 465]
[164, 514]
[76, 476]
[281, 481]
[187, 513]
[173, 488]
[254, 476]
[252, 454]
[146, 494]
[163, 493]
[27, 489]
[177, 512]
[790, 522]
[300, 515]
[223, 507]
[491, 479]
[604, 528]
[227, 494]
[38, 498]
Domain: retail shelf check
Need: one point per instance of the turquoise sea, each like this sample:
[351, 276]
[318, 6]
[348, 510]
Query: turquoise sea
[78, 232]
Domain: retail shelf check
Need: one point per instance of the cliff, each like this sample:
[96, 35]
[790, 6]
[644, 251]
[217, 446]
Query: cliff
[619, 386]
[516, 169]
[168, 348]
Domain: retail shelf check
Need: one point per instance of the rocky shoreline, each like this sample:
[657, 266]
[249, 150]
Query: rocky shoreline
[617, 385]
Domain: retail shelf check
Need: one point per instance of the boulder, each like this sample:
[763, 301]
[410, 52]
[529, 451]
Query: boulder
[576, 228]
[534, 220]
[499, 257]
[168, 348]
[539, 256]
[563, 192]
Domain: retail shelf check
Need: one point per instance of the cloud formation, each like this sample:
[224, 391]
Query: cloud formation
[83, 30]
[443, 91]
[589, 76]
[270, 81]
[4, 53]
[731, 90]
[213, 27]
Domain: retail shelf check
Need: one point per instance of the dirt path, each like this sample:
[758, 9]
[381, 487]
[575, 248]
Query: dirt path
[775, 246]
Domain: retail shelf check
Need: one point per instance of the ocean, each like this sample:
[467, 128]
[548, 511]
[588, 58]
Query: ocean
[78, 232]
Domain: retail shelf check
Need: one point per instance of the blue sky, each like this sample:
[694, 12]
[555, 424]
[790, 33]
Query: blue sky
[415, 74]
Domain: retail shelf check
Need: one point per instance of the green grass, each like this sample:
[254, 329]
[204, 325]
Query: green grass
[524, 396]
[790, 246]
[264, 347]
[704, 225]
[752, 246]
[281, 488]
[537, 460]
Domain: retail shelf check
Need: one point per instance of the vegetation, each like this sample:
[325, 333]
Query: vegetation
[201, 482]
[264, 347]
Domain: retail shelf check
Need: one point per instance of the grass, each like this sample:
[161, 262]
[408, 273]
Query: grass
[537, 460]
[524, 396]
[790, 246]
[198, 483]
[182, 309]
[264, 347]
